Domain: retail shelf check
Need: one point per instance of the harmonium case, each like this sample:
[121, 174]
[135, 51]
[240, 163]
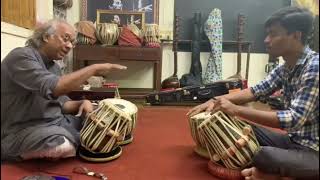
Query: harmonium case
[194, 94]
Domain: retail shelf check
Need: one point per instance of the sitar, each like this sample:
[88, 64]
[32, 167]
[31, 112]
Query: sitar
[173, 81]
[240, 34]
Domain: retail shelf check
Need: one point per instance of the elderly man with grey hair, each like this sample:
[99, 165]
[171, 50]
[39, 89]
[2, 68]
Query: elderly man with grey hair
[37, 118]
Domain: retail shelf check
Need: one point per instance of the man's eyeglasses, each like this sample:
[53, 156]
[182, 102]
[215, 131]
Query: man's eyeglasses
[66, 39]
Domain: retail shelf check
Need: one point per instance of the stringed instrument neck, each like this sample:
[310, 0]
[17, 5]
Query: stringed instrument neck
[240, 38]
[175, 44]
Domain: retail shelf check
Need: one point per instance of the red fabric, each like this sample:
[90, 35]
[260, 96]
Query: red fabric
[162, 149]
[128, 38]
[111, 85]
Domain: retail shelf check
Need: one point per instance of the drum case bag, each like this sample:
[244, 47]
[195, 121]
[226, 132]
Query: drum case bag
[193, 94]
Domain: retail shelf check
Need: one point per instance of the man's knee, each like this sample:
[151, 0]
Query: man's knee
[64, 150]
[287, 162]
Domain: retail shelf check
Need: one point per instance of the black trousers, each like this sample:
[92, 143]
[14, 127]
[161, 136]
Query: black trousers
[279, 155]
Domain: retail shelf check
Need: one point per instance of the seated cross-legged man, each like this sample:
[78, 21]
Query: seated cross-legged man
[38, 120]
[295, 154]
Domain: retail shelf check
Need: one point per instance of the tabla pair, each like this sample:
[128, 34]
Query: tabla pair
[228, 142]
[106, 129]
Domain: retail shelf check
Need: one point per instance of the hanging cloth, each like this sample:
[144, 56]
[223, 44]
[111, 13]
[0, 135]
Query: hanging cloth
[214, 32]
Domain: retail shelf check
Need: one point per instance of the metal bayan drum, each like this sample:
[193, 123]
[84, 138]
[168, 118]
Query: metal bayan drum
[229, 140]
[194, 122]
[151, 33]
[107, 33]
[102, 131]
[131, 110]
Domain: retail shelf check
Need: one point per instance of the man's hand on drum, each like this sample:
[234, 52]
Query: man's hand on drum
[214, 105]
[207, 106]
[226, 106]
[105, 68]
[85, 108]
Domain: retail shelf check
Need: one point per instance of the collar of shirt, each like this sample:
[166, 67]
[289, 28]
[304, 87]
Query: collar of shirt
[304, 56]
[48, 63]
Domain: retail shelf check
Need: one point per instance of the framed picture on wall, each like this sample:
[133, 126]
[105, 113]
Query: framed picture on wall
[149, 7]
[121, 17]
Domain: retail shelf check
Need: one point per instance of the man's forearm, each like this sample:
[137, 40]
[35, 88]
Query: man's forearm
[267, 118]
[71, 81]
[240, 97]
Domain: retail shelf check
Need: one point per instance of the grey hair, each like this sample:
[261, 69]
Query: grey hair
[47, 29]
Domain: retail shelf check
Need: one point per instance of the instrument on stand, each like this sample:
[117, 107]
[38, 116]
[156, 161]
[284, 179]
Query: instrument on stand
[240, 34]
[194, 77]
[173, 81]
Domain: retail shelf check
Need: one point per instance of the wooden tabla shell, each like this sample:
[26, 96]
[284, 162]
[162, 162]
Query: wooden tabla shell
[82, 39]
[151, 33]
[130, 109]
[194, 122]
[104, 128]
[228, 139]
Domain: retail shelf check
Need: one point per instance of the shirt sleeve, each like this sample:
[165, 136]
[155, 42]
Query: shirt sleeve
[27, 71]
[269, 85]
[305, 102]
[63, 99]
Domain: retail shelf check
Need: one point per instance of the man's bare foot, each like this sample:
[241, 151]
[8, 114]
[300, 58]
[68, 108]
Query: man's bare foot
[254, 174]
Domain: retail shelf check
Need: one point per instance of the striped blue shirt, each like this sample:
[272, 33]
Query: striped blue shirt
[300, 86]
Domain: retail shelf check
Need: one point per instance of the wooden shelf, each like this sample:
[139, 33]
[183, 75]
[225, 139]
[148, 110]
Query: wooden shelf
[103, 93]
[82, 54]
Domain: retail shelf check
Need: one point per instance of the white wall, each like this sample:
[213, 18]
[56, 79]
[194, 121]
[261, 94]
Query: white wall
[229, 64]
[139, 74]
[13, 36]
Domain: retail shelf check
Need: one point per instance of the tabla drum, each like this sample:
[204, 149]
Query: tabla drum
[229, 140]
[131, 110]
[107, 33]
[135, 30]
[194, 122]
[151, 33]
[82, 39]
[102, 131]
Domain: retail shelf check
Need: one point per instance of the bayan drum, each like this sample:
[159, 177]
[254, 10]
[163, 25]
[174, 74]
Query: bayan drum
[228, 140]
[194, 122]
[131, 110]
[107, 33]
[102, 131]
